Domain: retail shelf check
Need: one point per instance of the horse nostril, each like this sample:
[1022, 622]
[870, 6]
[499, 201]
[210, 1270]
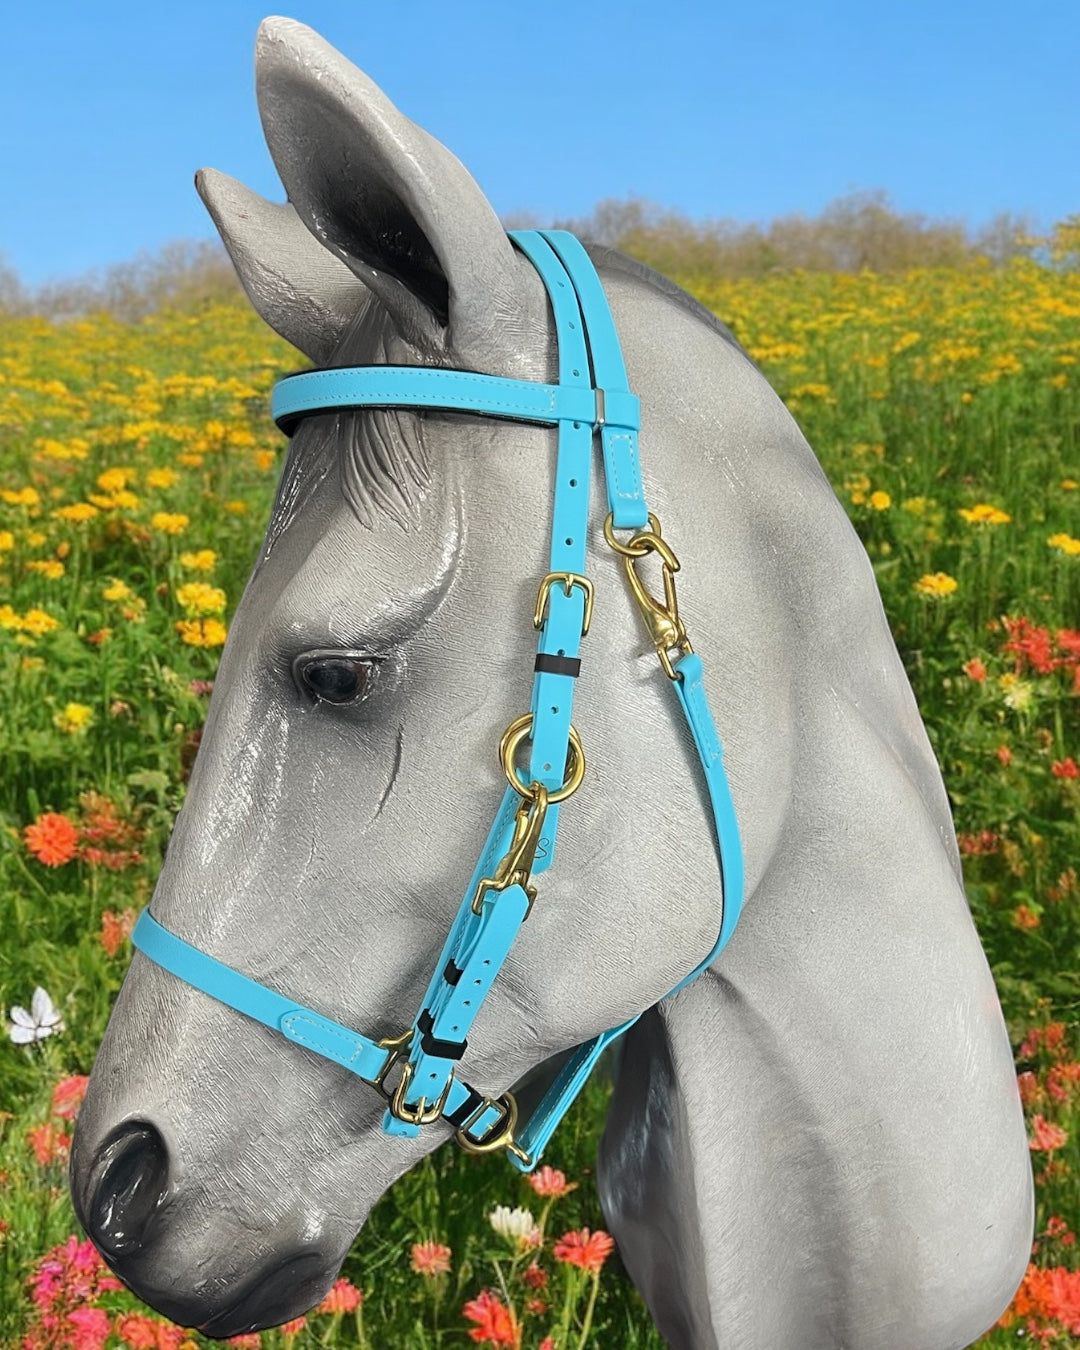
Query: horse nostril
[132, 1176]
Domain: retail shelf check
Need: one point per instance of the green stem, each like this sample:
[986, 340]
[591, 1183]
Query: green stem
[587, 1324]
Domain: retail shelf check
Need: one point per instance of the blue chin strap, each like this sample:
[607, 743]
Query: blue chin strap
[417, 1071]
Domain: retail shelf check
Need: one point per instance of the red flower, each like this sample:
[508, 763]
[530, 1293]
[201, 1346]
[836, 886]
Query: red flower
[589, 1251]
[52, 839]
[49, 1144]
[1004, 754]
[1065, 768]
[1047, 1136]
[495, 1323]
[343, 1298]
[294, 1327]
[68, 1096]
[430, 1258]
[115, 929]
[975, 670]
[1029, 1087]
[534, 1277]
[550, 1181]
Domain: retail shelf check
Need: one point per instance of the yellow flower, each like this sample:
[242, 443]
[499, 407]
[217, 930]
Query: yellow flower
[265, 460]
[1066, 543]
[203, 560]
[52, 569]
[168, 522]
[9, 619]
[236, 507]
[1018, 693]
[76, 448]
[1069, 484]
[118, 590]
[984, 514]
[26, 496]
[189, 459]
[199, 598]
[76, 513]
[936, 584]
[916, 506]
[201, 632]
[75, 718]
[115, 480]
[7, 541]
[35, 538]
[880, 501]
[162, 478]
[37, 621]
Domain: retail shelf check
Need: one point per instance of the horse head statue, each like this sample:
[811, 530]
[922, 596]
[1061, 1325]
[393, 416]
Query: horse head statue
[817, 1143]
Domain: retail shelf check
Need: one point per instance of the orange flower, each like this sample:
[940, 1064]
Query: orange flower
[1004, 754]
[975, 670]
[52, 839]
[116, 929]
[588, 1251]
[1024, 917]
[495, 1322]
[68, 1096]
[1029, 1088]
[430, 1258]
[1065, 768]
[294, 1327]
[1047, 1136]
[343, 1298]
[146, 1333]
[550, 1181]
[49, 1143]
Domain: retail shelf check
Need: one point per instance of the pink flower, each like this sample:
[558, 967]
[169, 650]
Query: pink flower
[91, 1329]
[343, 1298]
[550, 1181]
[430, 1259]
[495, 1323]
[1047, 1136]
[585, 1250]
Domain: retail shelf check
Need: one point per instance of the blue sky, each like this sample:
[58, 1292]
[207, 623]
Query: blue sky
[719, 110]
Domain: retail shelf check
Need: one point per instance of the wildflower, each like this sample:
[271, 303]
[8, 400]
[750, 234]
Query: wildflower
[114, 480]
[26, 496]
[7, 541]
[495, 1322]
[534, 1277]
[115, 930]
[512, 1223]
[37, 621]
[1065, 768]
[168, 522]
[39, 1023]
[977, 845]
[936, 584]
[587, 1250]
[161, 478]
[1028, 1086]
[430, 1258]
[52, 839]
[343, 1298]
[198, 598]
[1025, 917]
[1046, 1136]
[235, 507]
[49, 1143]
[1066, 544]
[90, 1328]
[1004, 754]
[74, 719]
[880, 501]
[202, 560]
[68, 1096]
[201, 688]
[975, 670]
[550, 1181]
[78, 513]
[1018, 693]
[250, 1340]
[294, 1327]
[52, 569]
[201, 632]
[265, 460]
[984, 514]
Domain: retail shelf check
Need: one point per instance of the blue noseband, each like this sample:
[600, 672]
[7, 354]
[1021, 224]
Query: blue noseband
[592, 396]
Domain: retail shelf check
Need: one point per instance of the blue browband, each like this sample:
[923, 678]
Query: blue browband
[592, 396]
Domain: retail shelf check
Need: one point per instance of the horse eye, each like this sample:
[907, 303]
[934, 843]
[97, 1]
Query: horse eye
[335, 679]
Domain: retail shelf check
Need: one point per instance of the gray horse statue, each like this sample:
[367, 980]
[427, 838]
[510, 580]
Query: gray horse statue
[817, 1143]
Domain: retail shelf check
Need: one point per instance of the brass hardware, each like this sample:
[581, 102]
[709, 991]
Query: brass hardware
[666, 630]
[421, 1113]
[569, 581]
[515, 868]
[505, 1127]
[517, 732]
[397, 1045]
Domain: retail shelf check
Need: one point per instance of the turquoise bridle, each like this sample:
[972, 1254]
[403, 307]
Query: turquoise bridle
[592, 396]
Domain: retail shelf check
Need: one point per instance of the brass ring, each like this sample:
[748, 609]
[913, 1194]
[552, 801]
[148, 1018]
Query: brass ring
[512, 737]
[501, 1134]
[629, 550]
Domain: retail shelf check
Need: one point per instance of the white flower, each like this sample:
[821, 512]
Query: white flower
[512, 1223]
[42, 1020]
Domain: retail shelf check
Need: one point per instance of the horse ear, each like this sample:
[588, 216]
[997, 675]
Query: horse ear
[302, 291]
[395, 206]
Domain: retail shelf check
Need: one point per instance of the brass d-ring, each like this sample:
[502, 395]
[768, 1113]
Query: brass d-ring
[512, 737]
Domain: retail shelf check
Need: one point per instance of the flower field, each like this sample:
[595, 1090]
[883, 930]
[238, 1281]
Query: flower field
[137, 468]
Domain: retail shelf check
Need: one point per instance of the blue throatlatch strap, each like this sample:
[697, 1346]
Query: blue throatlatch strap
[592, 396]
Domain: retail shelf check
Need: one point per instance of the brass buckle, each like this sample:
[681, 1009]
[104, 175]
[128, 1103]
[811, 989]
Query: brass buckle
[503, 1128]
[666, 629]
[569, 581]
[421, 1113]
